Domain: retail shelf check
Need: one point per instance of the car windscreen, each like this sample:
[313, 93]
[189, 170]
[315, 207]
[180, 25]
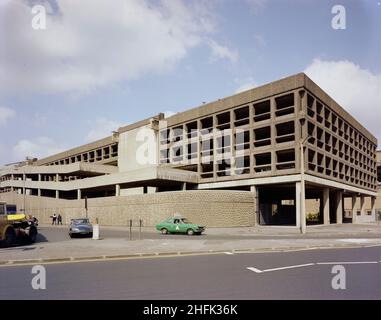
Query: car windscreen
[186, 221]
[81, 221]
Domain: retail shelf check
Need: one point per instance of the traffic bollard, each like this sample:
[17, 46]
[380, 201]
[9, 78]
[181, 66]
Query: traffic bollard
[96, 232]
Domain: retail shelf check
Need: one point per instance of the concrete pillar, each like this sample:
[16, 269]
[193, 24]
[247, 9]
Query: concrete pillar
[151, 190]
[57, 194]
[298, 203]
[117, 190]
[39, 177]
[354, 210]
[57, 177]
[39, 192]
[254, 190]
[373, 207]
[326, 219]
[362, 205]
[184, 186]
[339, 207]
[79, 194]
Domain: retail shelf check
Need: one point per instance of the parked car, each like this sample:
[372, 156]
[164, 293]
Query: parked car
[179, 225]
[81, 226]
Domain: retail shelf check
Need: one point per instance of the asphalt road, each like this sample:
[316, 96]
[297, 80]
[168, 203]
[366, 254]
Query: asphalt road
[288, 275]
[57, 234]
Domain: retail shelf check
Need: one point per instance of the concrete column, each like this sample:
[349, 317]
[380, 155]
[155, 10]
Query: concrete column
[57, 194]
[254, 190]
[184, 186]
[117, 190]
[39, 177]
[151, 190]
[354, 206]
[57, 177]
[79, 194]
[339, 207]
[251, 139]
[326, 219]
[39, 192]
[362, 205]
[373, 207]
[298, 203]
[198, 146]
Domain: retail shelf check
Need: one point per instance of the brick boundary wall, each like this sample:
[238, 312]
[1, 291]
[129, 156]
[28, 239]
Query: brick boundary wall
[212, 208]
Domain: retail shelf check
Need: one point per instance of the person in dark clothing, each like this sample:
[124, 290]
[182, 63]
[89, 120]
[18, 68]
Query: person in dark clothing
[54, 218]
[59, 219]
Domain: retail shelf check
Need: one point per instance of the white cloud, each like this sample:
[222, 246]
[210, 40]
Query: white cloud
[260, 40]
[39, 148]
[6, 114]
[3, 157]
[93, 43]
[222, 52]
[256, 6]
[101, 128]
[169, 113]
[357, 90]
[245, 84]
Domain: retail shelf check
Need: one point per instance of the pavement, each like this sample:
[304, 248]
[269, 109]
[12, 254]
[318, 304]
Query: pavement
[54, 245]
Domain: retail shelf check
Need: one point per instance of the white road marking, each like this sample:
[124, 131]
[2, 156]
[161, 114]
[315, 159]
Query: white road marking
[281, 268]
[230, 253]
[289, 267]
[254, 269]
[348, 262]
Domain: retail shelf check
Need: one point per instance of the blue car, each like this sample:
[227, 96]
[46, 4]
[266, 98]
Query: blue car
[80, 226]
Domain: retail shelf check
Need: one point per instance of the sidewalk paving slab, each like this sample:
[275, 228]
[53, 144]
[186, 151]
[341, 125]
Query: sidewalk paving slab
[122, 248]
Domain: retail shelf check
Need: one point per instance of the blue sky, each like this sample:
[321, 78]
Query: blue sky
[101, 64]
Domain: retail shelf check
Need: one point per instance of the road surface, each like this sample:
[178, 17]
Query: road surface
[58, 234]
[287, 275]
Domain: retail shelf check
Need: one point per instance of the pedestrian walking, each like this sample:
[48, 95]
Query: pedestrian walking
[54, 217]
[59, 219]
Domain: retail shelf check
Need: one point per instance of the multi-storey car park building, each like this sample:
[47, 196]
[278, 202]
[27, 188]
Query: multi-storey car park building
[270, 155]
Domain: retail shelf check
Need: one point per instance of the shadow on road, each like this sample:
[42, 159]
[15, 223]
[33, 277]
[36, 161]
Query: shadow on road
[41, 238]
[24, 246]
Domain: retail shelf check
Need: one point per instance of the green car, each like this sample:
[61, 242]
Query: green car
[179, 225]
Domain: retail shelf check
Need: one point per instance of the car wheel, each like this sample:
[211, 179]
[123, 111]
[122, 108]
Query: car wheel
[71, 235]
[164, 231]
[190, 232]
[10, 237]
[90, 234]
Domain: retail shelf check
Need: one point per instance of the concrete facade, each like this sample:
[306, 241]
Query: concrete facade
[286, 144]
[214, 208]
